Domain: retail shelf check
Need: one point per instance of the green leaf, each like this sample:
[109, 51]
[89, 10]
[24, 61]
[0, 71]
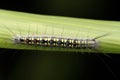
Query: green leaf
[19, 23]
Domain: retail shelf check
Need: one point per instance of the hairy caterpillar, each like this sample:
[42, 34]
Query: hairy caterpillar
[56, 41]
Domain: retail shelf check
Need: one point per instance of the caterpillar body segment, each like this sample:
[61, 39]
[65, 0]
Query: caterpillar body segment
[57, 42]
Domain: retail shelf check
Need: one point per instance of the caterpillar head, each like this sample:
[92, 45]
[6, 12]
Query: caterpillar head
[16, 39]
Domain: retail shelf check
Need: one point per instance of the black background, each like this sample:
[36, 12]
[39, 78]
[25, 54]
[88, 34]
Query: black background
[94, 67]
[95, 9]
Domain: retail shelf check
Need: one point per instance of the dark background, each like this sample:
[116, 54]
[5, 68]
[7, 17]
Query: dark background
[93, 9]
[51, 65]
[64, 66]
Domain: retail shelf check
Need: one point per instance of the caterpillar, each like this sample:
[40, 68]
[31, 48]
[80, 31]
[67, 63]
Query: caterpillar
[56, 41]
